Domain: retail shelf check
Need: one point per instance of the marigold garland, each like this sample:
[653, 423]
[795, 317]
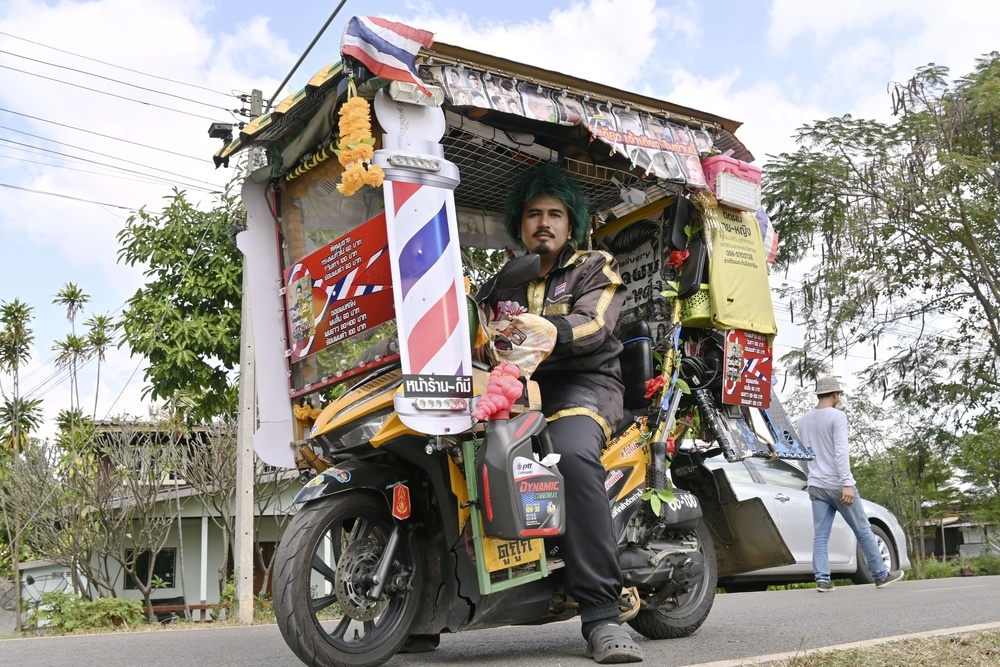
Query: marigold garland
[357, 147]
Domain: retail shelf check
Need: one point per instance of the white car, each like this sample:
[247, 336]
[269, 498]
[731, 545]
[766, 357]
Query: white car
[781, 485]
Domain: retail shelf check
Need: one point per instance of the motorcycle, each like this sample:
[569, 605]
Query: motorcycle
[402, 536]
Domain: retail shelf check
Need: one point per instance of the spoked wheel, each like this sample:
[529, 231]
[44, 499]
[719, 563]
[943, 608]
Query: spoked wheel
[685, 613]
[324, 571]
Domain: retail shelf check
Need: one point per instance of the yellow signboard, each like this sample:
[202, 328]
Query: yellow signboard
[502, 554]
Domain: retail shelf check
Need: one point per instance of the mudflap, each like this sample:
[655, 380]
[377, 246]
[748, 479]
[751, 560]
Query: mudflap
[756, 541]
[743, 531]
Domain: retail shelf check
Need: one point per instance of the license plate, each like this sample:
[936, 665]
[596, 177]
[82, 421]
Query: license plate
[501, 554]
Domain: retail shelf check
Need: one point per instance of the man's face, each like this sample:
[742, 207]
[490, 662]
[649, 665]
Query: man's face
[545, 225]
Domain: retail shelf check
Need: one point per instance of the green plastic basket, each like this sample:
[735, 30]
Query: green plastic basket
[696, 310]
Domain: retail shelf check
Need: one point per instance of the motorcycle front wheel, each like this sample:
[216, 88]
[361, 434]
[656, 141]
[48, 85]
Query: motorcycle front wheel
[323, 574]
[687, 611]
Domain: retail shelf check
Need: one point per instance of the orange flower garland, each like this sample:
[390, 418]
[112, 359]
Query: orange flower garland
[357, 147]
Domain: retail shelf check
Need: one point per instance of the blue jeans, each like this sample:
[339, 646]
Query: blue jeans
[825, 505]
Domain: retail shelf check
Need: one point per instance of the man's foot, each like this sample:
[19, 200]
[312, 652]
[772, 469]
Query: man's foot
[824, 587]
[612, 644]
[890, 578]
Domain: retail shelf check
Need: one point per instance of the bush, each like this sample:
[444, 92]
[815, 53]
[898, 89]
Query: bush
[66, 613]
[936, 569]
[984, 565]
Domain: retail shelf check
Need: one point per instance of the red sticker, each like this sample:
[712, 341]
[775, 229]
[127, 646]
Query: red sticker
[401, 501]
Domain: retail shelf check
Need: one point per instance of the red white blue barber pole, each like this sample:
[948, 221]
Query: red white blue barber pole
[427, 278]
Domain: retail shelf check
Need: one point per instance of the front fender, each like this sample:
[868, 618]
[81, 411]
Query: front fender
[350, 476]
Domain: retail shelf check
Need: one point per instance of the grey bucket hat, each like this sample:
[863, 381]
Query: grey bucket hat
[828, 385]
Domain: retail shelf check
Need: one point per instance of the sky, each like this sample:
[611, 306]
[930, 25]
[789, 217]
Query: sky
[105, 107]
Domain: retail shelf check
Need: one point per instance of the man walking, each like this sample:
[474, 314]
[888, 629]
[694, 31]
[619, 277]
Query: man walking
[831, 487]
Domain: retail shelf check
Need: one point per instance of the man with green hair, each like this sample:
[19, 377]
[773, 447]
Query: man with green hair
[579, 291]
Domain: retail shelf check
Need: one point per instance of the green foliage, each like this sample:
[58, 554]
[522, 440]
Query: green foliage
[935, 569]
[984, 565]
[977, 458]
[66, 613]
[895, 226]
[656, 497]
[186, 319]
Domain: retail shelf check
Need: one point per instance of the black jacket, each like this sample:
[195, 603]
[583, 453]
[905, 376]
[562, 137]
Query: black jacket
[582, 297]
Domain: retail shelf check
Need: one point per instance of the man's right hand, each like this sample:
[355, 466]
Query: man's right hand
[847, 495]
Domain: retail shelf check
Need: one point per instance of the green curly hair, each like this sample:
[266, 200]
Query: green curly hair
[550, 181]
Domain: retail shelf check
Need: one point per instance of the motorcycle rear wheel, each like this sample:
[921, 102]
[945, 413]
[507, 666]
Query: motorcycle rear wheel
[692, 607]
[330, 546]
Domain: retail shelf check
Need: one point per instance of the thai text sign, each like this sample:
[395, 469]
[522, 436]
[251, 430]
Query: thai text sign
[340, 291]
[748, 369]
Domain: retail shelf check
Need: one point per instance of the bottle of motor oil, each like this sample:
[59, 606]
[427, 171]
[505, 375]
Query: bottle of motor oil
[520, 498]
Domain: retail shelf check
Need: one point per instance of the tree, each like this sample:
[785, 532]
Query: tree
[71, 350]
[977, 457]
[896, 226]
[69, 353]
[19, 416]
[99, 338]
[186, 320]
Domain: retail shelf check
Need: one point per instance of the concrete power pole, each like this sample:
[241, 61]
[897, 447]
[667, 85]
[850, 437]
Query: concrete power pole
[244, 542]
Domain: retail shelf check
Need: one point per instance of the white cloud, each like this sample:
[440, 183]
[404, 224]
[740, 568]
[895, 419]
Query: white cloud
[600, 40]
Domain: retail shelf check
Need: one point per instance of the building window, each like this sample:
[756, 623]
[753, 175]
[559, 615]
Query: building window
[163, 568]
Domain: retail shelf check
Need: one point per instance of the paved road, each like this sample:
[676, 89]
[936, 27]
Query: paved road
[741, 626]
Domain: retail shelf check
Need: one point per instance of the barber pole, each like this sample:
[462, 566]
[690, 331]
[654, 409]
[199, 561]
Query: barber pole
[425, 255]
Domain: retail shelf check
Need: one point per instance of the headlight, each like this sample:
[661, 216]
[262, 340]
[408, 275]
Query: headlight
[353, 435]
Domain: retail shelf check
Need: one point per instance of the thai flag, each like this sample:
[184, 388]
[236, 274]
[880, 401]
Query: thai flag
[386, 48]
[769, 236]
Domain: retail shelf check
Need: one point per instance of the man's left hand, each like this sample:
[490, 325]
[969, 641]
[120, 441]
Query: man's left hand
[847, 496]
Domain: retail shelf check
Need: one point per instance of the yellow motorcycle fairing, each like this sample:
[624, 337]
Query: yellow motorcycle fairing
[628, 453]
[371, 396]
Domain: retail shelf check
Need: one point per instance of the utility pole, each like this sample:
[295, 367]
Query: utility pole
[244, 543]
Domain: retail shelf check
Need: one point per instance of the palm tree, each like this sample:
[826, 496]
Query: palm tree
[71, 352]
[15, 351]
[18, 418]
[99, 338]
[74, 299]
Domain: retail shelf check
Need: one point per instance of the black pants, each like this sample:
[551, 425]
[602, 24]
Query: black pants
[593, 573]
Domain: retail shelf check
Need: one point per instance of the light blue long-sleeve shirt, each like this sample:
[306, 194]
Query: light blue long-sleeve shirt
[825, 430]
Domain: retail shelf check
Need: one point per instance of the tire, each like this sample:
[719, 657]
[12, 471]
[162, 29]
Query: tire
[692, 607]
[863, 575]
[327, 549]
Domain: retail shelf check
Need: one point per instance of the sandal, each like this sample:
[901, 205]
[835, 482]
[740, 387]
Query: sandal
[612, 644]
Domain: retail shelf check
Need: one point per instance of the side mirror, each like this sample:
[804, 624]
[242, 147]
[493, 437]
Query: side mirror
[518, 271]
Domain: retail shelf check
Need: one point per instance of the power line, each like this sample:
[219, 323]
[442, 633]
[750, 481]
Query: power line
[105, 136]
[118, 81]
[134, 71]
[104, 92]
[152, 180]
[56, 194]
[83, 159]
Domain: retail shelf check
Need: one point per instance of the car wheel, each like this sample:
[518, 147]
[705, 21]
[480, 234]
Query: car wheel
[864, 575]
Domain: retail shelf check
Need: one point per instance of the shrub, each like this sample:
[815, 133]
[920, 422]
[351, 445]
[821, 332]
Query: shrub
[65, 613]
[935, 569]
[984, 565]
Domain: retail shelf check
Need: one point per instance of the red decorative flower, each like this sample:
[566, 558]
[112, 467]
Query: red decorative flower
[654, 385]
[677, 258]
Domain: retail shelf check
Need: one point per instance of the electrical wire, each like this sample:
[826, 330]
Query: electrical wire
[105, 136]
[118, 81]
[104, 92]
[87, 150]
[56, 194]
[149, 181]
[127, 69]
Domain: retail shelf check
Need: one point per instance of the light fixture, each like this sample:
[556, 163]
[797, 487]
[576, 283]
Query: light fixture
[539, 89]
[414, 162]
[407, 91]
[487, 76]
[586, 98]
